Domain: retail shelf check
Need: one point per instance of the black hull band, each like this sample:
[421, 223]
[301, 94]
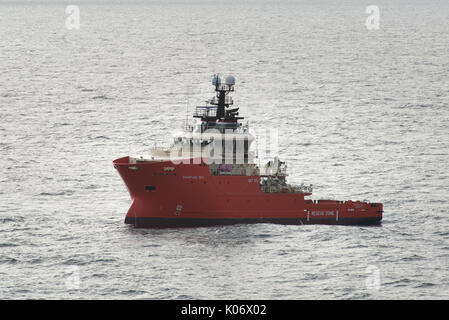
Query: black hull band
[198, 222]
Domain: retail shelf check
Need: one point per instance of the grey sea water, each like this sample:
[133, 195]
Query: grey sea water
[362, 114]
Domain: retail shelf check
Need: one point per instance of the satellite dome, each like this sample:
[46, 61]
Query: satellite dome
[216, 79]
[230, 80]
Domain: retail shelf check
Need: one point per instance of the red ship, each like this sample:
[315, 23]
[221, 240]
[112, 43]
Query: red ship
[208, 177]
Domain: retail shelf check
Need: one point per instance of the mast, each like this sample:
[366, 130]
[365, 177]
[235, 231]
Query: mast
[219, 114]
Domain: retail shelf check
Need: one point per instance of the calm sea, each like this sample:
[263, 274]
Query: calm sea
[362, 112]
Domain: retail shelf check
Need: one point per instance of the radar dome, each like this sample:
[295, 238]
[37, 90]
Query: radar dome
[230, 80]
[216, 79]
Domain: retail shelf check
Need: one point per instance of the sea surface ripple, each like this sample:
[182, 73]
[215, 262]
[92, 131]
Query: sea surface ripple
[362, 114]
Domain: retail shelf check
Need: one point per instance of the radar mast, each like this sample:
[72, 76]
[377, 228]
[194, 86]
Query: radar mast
[219, 110]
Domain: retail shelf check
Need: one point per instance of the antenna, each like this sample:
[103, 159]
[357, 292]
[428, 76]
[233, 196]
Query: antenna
[257, 150]
[187, 110]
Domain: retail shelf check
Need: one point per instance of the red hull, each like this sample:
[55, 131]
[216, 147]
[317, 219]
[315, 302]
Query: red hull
[189, 195]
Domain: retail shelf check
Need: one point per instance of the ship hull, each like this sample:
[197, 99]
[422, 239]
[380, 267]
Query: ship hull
[189, 195]
[144, 222]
